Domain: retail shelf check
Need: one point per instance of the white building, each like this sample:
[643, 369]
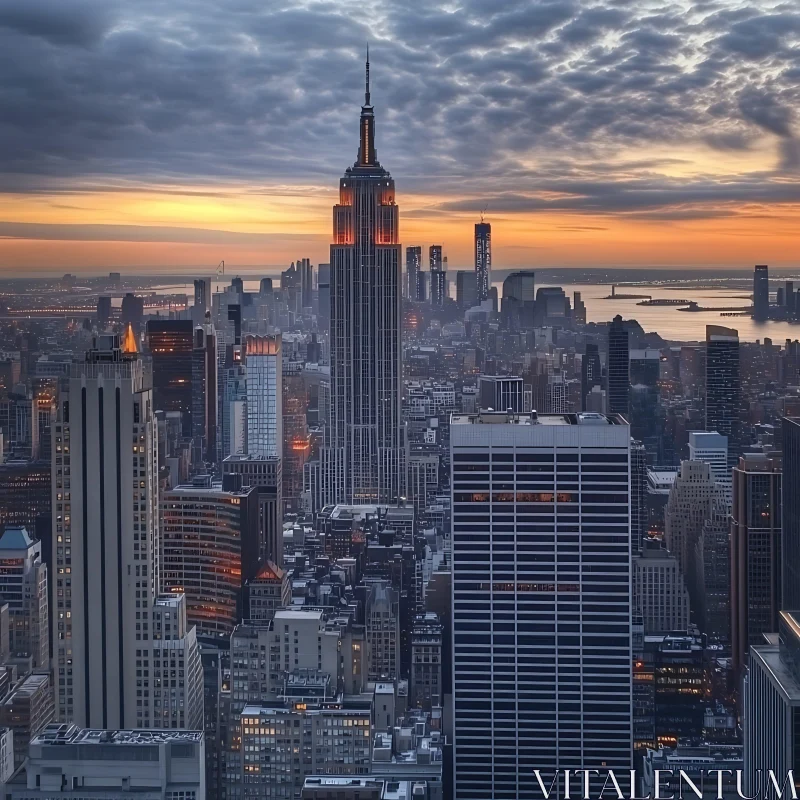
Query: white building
[541, 598]
[106, 547]
[264, 396]
[712, 448]
[68, 761]
[23, 585]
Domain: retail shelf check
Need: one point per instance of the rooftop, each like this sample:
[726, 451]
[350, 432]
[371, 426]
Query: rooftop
[15, 539]
[534, 418]
[65, 733]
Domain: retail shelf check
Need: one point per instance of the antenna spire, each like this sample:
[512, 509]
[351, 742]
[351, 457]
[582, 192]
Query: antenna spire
[366, 92]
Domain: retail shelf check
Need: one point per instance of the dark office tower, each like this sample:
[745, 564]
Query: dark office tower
[237, 285]
[171, 346]
[578, 308]
[618, 368]
[790, 532]
[519, 300]
[591, 372]
[646, 418]
[413, 270]
[324, 291]
[306, 281]
[761, 293]
[103, 311]
[755, 553]
[204, 393]
[132, 311]
[265, 287]
[202, 297]
[363, 459]
[483, 259]
[723, 386]
[789, 296]
[466, 290]
[638, 496]
[438, 275]
[541, 599]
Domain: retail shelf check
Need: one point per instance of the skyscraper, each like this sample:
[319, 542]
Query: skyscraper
[723, 386]
[363, 459]
[712, 447]
[438, 275]
[466, 290]
[171, 345]
[790, 528]
[483, 259]
[618, 367]
[413, 270]
[23, 585]
[106, 551]
[541, 598]
[591, 372]
[755, 553]
[264, 396]
[761, 293]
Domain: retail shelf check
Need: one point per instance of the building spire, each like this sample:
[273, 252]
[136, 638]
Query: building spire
[366, 150]
[366, 92]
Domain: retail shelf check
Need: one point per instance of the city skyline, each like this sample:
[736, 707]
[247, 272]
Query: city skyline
[596, 136]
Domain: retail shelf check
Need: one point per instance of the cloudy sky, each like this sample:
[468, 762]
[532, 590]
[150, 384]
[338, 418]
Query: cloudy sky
[628, 132]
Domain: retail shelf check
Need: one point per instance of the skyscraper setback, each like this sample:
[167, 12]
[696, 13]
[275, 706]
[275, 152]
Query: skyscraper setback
[362, 459]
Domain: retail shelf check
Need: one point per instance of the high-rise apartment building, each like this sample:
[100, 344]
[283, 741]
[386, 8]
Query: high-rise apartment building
[723, 386]
[209, 549]
[264, 374]
[438, 275]
[306, 269]
[23, 585]
[618, 367]
[106, 549]
[755, 553]
[483, 259]
[413, 271]
[541, 598]
[363, 459]
[761, 293]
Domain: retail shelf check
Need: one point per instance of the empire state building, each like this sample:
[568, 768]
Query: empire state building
[362, 458]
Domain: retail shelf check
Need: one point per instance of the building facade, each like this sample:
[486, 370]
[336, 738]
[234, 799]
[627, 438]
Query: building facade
[541, 598]
[483, 259]
[723, 386]
[363, 458]
[264, 374]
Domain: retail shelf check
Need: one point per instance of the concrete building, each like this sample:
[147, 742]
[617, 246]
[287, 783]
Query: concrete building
[659, 590]
[26, 711]
[23, 585]
[68, 761]
[269, 590]
[382, 615]
[426, 662]
[312, 738]
[541, 536]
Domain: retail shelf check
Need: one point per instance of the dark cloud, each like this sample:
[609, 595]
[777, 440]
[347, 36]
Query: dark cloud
[540, 97]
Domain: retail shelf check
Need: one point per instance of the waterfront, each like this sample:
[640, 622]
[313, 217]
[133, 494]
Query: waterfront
[667, 321]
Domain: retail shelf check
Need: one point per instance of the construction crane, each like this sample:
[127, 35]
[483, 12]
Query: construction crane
[483, 212]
